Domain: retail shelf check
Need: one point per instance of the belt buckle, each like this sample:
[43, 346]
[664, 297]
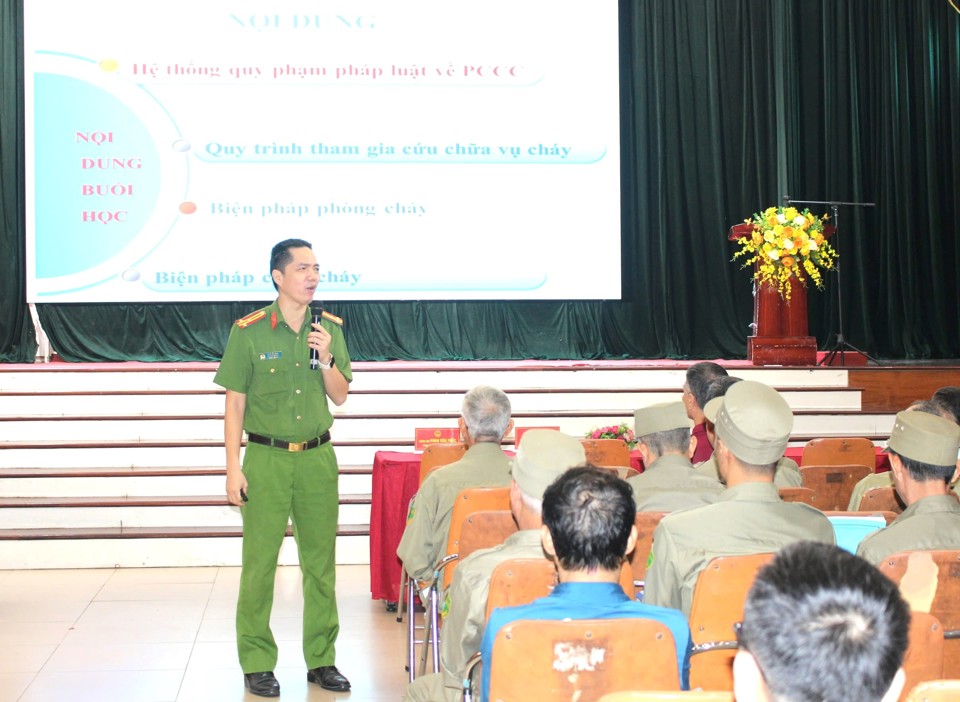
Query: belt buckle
[297, 446]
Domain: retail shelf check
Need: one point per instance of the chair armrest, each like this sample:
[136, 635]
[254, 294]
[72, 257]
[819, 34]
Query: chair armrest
[467, 681]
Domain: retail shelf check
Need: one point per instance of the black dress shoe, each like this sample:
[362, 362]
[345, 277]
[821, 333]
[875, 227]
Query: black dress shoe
[262, 684]
[329, 678]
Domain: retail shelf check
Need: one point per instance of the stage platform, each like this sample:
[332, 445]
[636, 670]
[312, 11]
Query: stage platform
[122, 463]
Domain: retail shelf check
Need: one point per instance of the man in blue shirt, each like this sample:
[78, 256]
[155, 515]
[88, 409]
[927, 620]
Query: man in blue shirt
[588, 529]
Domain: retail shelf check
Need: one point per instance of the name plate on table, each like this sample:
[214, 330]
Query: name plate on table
[425, 436]
[518, 433]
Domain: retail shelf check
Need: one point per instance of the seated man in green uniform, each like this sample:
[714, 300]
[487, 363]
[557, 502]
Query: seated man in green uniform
[278, 394]
[923, 453]
[821, 625]
[484, 421]
[669, 481]
[753, 425]
[884, 479]
[542, 456]
[787, 473]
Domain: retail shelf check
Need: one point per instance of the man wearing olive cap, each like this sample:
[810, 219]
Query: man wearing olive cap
[753, 425]
[787, 473]
[669, 481]
[923, 453]
[543, 454]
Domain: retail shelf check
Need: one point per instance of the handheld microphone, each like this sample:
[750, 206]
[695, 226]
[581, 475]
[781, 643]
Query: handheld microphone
[314, 354]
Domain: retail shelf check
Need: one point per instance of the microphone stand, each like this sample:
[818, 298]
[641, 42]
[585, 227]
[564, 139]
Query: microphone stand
[842, 345]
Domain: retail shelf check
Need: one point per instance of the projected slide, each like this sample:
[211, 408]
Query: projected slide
[427, 149]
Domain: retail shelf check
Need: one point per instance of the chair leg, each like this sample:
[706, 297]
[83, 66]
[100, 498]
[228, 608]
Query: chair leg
[411, 631]
[435, 629]
[400, 592]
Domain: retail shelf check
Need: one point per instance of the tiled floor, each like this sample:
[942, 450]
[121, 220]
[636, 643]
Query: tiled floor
[167, 635]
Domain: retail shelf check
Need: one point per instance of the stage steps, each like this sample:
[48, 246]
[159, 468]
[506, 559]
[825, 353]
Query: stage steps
[104, 465]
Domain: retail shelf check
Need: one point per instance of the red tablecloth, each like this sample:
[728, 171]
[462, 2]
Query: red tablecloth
[396, 476]
[395, 479]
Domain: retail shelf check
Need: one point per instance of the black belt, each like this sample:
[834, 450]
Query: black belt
[290, 445]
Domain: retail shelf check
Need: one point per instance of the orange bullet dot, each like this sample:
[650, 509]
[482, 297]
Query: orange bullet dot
[188, 207]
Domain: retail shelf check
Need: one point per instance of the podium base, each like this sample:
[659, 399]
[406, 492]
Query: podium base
[782, 350]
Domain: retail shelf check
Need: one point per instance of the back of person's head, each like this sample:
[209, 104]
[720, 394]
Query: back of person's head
[664, 428]
[753, 423]
[486, 413]
[718, 387]
[590, 514]
[699, 376]
[925, 443]
[542, 456]
[948, 397]
[821, 625]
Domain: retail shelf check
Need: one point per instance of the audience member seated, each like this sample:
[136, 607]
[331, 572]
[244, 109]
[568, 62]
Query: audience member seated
[669, 481]
[484, 421]
[884, 479]
[787, 473]
[543, 455]
[821, 625]
[699, 377]
[923, 460]
[753, 424]
[588, 530]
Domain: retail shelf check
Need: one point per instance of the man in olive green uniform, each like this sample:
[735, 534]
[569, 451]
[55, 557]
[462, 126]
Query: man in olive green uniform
[484, 421]
[543, 455]
[669, 481]
[753, 426]
[885, 479]
[289, 469]
[787, 473]
[923, 453]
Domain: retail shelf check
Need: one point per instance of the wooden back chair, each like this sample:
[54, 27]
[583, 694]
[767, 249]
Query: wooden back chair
[434, 456]
[718, 600]
[468, 501]
[839, 451]
[930, 582]
[581, 659]
[924, 657]
[806, 495]
[624, 472]
[646, 523]
[438, 455]
[606, 452]
[883, 499]
[653, 696]
[520, 581]
[935, 691]
[485, 529]
[833, 483]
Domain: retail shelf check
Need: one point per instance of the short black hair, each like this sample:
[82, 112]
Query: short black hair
[280, 256]
[948, 397]
[718, 387]
[671, 440]
[924, 472]
[589, 512]
[825, 626]
[699, 376]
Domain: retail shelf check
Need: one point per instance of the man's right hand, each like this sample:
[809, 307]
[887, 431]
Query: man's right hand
[236, 481]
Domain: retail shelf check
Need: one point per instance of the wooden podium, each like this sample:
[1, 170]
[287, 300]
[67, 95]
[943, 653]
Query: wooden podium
[780, 336]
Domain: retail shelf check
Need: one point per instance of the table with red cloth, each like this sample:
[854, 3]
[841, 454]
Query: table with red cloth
[396, 476]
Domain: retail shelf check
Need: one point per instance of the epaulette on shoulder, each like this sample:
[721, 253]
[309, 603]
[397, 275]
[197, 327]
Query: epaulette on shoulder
[332, 317]
[251, 318]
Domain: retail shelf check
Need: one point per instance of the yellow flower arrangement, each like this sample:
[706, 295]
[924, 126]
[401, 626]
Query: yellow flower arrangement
[787, 243]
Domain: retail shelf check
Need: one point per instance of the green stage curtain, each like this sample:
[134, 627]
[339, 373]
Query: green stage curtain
[728, 105]
[17, 341]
